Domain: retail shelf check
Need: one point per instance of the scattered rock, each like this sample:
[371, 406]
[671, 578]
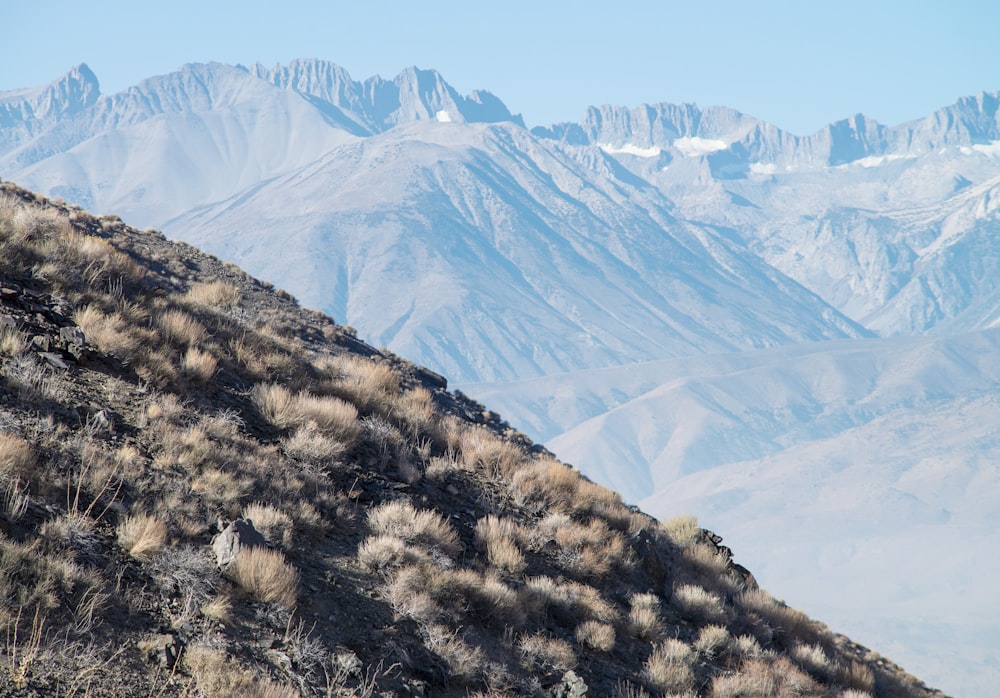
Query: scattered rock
[234, 537]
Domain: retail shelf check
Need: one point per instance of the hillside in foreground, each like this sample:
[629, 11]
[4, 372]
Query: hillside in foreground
[206, 489]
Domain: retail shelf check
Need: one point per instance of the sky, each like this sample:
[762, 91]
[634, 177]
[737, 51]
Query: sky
[799, 65]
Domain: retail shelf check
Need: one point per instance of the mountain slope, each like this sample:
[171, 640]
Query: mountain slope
[865, 465]
[473, 222]
[262, 505]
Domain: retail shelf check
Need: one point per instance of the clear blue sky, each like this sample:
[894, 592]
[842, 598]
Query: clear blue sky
[798, 64]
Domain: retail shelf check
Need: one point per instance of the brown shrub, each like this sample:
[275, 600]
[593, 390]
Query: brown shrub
[218, 676]
[540, 651]
[143, 537]
[669, 669]
[698, 604]
[274, 524]
[498, 538]
[109, 333]
[264, 575]
[16, 456]
[199, 365]
[181, 328]
[385, 554]
[214, 294]
[645, 621]
[596, 635]
[417, 527]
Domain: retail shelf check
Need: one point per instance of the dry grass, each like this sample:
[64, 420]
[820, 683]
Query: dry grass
[264, 575]
[763, 678]
[181, 328]
[458, 594]
[16, 457]
[498, 537]
[12, 342]
[483, 450]
[199, 365]
[596, 635]
[215, 295]
[712, 641]
[644, 618]
[465, 662]
[540, 651]
[219, 609]
[309, 445]
[565, 599]
[386, 554]
[857, 677]
[218, 676]
[142, 537]
[110, 333]
[789, 625]
[682, 530]
[414, 526]
[274, 524]
[13, 499]
[699, 604]
[669, 667]
[329, 415]
[372, 386]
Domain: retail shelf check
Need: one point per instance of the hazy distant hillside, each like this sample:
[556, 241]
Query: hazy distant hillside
[208, 490]
[437, 225]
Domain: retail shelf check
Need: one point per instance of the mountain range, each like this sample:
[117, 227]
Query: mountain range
[790, 336]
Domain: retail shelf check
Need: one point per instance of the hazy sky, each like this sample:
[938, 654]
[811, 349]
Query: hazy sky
[798, 64]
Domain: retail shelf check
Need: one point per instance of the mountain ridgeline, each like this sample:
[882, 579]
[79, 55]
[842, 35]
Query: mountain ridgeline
[790, 335]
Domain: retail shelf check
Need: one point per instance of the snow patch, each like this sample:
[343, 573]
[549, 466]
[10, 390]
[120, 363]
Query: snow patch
[443, 116]
[694, 146]
[991, 149]
[763, 168]
[629, 149]
[876, 160]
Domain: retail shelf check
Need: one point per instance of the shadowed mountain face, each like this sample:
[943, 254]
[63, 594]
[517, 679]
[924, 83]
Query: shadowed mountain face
[209, 489]
[673, 283]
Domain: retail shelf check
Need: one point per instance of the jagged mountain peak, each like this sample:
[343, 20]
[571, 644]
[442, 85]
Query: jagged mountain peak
[377, 104]
[76, 90]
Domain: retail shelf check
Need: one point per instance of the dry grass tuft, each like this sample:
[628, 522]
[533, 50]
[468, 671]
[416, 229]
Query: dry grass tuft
[264, 575]
[181, 328]
[214, 294]
[386, 554]
[540, 651]
[698, 604]
[16, 456]
[329, 415]
[682, 530]
[712, 641]
[645, 621]
[416, 527]
[112, 334]
[199, 365]
[274, 524]
[669, 668]
[12, 342]
[143, 537]
[498, 536]
[596, 635]
[218, 676]
[465, 662]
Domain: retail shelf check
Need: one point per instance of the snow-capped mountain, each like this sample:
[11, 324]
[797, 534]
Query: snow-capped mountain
[693, 293]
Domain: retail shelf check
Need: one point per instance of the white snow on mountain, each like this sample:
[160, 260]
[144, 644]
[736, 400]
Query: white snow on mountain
[629, 149]
[695, 146]
[681, 301]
